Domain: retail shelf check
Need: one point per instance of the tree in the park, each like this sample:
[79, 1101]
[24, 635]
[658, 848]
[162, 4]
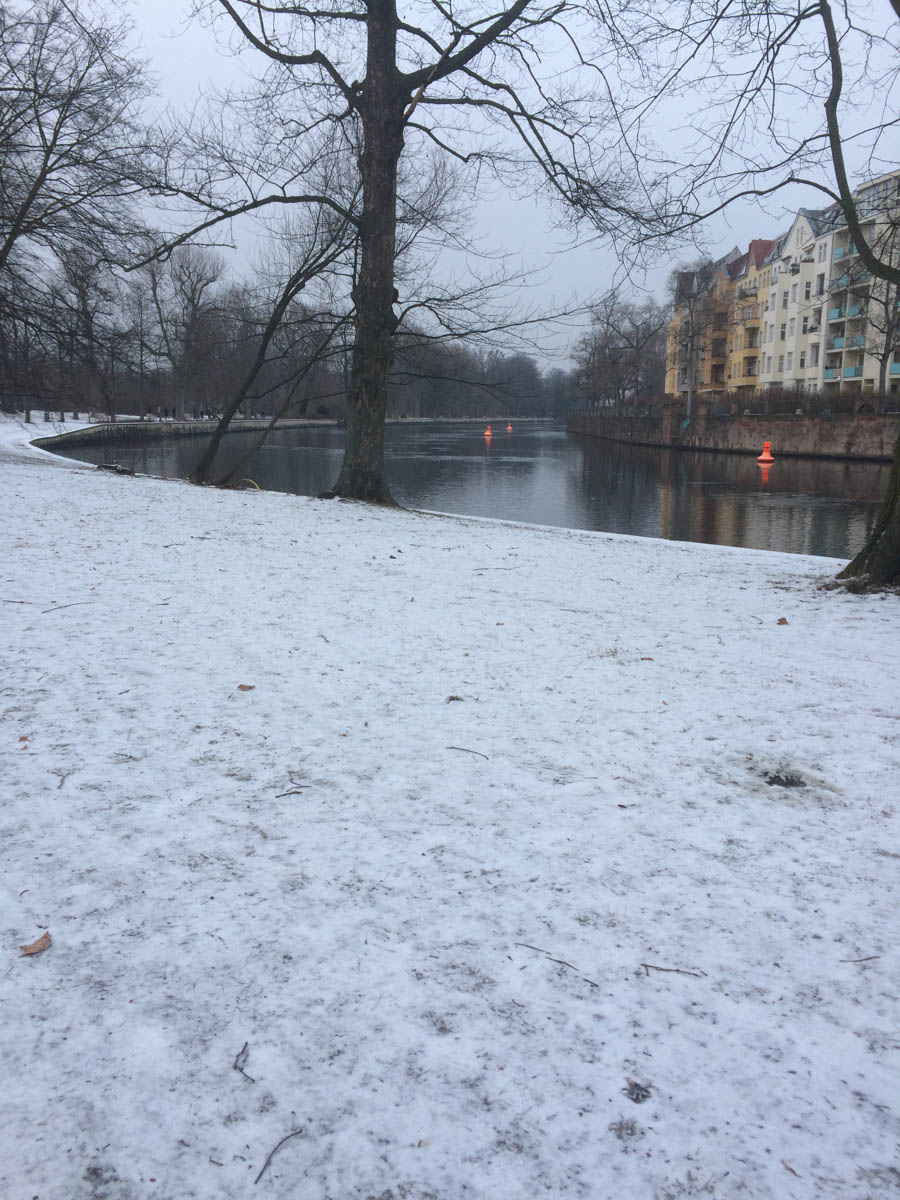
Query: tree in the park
[360, 89]
[71, 156]
[184, 300]
[774, 95]
[624, 356]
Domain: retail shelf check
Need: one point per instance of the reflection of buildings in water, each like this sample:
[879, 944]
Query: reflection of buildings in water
[805, 506]
[730, 522]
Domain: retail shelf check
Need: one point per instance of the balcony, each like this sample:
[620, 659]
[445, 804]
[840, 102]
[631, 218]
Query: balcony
[844, 251]
[855, 310]
[852, 372]
[895, 368]
[858, 340]
[836, 343]
[832, 372]
[835, 314]
[857, 280]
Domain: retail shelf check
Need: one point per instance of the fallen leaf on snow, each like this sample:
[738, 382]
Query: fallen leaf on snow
[782, 621]
[646, 658]
[246, 687]
[43, 942]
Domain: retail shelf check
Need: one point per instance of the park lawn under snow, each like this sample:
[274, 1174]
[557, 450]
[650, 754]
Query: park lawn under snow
[442, 857]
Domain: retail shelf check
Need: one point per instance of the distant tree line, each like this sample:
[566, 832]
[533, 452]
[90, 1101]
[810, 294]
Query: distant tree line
[93, 319]
[621, 362]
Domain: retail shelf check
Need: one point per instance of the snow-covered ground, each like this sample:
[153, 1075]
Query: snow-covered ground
[394, 856]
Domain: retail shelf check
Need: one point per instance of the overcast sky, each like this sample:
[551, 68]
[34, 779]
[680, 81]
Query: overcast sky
[187, 62]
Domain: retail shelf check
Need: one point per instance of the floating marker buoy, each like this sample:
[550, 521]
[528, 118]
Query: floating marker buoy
[766, 456]
[509, 427]
[488, 432]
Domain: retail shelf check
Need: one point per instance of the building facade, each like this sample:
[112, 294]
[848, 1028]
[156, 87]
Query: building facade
[797, 313]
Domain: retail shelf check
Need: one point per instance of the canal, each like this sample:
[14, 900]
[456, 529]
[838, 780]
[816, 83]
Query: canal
[537, 473]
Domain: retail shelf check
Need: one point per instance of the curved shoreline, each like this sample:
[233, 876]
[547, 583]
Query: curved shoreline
[96, 435]
[114, 431]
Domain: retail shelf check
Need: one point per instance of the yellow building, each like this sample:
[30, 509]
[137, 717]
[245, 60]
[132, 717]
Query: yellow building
[745, 341]
[697, 343]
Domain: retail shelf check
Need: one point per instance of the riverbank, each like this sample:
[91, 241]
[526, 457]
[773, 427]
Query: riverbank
[385, 853]
[93, 433]
[855, 437]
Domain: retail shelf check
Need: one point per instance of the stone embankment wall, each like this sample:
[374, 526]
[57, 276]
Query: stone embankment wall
[842, 435]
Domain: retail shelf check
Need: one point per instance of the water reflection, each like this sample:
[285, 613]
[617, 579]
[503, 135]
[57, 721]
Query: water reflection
[538, 474]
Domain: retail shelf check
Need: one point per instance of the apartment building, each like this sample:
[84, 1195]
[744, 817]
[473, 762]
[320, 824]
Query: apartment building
[746, 340]
[797, 275]
[803, 312]
[697, 344]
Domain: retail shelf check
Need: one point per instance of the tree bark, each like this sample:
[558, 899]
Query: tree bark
[878, 563]
[362, 473]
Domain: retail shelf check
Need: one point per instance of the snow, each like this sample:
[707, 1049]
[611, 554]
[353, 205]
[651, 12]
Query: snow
[509, 824]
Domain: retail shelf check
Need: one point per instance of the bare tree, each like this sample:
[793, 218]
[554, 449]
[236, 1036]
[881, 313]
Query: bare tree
[91, 337]
[72, 149]
[184, 298]
[313, 248]
[624, 355]
[71, 140]
[371, 86]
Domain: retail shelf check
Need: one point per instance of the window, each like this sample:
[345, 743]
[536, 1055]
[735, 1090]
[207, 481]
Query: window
[783, 333]
[820, 284]
[771, 336]
[807, 290]
[784, 299]
[814, 354]
[792, 326]
[802, 359]
[780, 362]
[773, 300]
[769, 363]
[789, 364]
[794, 290]
[822, 252]
[804, 328]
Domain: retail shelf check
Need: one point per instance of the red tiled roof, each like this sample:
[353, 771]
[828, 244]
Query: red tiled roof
[759, 249]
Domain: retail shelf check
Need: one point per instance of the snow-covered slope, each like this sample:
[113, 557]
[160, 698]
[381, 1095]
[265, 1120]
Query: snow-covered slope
[473, 860]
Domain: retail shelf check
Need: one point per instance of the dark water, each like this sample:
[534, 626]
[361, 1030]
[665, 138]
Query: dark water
[539, 474]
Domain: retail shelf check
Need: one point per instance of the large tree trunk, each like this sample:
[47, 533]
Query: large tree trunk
[362, 473]
[878, 563]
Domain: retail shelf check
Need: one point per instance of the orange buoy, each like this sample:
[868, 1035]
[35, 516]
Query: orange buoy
[509, 426]
[488, 432]
[766, 456]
